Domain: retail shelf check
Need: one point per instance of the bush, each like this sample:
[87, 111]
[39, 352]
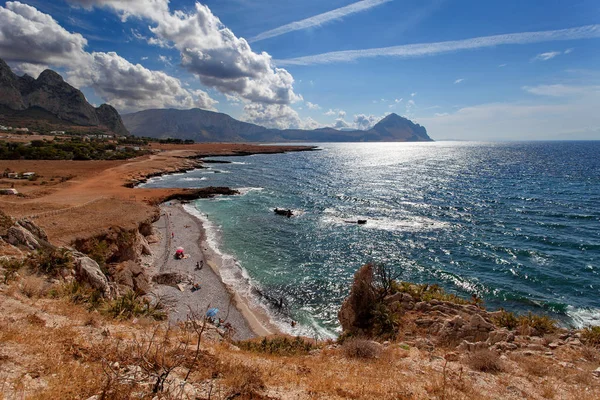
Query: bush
[361, 348]
[506, 319]
[131, 305]
[591, 335]
[279, 345]
[50, 261]
[34, 286]
[79, 294]
[536, 324]
[426, 292]
[11, 268]
[485, 360]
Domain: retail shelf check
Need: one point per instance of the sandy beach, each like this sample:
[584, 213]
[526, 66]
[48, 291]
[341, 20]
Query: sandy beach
[180, 229]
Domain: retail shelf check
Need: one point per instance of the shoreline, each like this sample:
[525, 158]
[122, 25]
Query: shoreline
[188, 231]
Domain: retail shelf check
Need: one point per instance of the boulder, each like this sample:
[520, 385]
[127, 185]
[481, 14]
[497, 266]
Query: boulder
[19, 236]
[500, 335]
[88, 271]
[170, 278]
[131, 275]
[33, 228]
[356, 310]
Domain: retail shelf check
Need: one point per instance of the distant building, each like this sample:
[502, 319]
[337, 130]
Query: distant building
[8, 191]
[22, 130]
[4, 128]
[57, 132]
[12, 175]
[27, 175]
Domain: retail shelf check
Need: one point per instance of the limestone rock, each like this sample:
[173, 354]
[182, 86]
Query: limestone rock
[131, 275]
[169, 278]
[88, 271]
[33, 228]
[356, 309]
[500, 335]
[19, 236]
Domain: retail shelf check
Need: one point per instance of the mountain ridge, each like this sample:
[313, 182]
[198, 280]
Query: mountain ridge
[24, 95]
[210, 126]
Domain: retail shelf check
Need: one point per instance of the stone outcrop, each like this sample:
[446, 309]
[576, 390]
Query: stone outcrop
[170, 279]
[88, 271]
[131, 275]
[33, 228]
[19, 236]
[356, 310]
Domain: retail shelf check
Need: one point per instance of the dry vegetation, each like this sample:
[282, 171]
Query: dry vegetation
[51, 347]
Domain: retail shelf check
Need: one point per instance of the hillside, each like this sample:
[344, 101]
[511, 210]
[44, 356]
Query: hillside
[49, 98]
[208, 126]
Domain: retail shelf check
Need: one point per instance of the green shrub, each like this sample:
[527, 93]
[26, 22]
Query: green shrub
[280, 345]
[11, 268]
[426, 292]
[79, 294]
[591, 335]
[131, 305]
[50, 261]
[384, 322]
[537, 324]
[506, 319]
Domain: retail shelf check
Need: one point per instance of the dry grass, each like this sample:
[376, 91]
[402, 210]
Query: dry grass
[361, 348]
[34, 286]
[485, 361]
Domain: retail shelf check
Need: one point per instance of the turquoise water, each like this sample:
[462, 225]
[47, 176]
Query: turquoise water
[517, 224]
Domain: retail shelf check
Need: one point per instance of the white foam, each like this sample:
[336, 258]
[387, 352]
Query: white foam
[410, 223]
[583, 317]
[245, 190]
[194, 179]
[235, 276]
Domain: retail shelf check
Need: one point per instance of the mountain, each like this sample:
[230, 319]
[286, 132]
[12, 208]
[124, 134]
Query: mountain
[50, 97]
[208, 126]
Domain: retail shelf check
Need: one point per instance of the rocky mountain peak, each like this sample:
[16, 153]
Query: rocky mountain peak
[51, 78]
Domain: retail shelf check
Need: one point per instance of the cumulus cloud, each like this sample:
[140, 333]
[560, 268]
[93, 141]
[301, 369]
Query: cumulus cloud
[341, 114]
[210, 50]
[31, 40]
[30, 36]
[330, 112]
[341, 124]
[313, 106]
[279, 116]
[365, 122]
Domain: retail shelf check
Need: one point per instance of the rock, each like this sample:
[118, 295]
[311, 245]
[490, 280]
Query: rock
[169, 278]
[472, 346]
[33, 228]
[130, 274]
[424, 344]
[88, 271]
[505, 346]
[565, 364]
[422, 306]
[356, 310]
[144, 247]
[19, 236]
[453, 356]
[553, 345]
[549, 353]
[596, 372]
[396, 297]
[152, 239]
[500, 335]
[574, 342]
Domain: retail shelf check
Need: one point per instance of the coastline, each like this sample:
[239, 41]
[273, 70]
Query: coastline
[179, 228]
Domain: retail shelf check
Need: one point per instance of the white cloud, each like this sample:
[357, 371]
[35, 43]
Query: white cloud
[31, 40]
[365, 122]
[164, 59]
[33, 70]
[330, 112]
[568, 51]
[210, 50]
[398, 100]
[413, 94]
[144, 58]
[341, 114]
[560, 90]
[320, 19]
[502, 65]
[312, 106]
[430, 49]
[458, 81]
[131, 87]
[278, 116]
[341, 124]
[547, 56]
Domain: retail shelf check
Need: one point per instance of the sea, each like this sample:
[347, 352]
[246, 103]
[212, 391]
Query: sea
[516, 224]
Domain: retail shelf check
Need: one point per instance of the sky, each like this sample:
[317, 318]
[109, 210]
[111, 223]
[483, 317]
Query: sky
[464, 69]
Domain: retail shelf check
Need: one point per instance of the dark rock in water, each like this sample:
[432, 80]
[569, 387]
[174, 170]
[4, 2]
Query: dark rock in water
[361, 221]
[281, 211]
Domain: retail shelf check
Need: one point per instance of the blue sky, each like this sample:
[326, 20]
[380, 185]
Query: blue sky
[470, 70]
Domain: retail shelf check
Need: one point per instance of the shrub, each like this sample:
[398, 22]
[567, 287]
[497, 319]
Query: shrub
[50, 261]
[485, 360]
[536, 324]
[279, 345]
[131, 305]
[384, 322]
[426, 292]
[361, 348]
[79, 294]
[34, 286]
[11, 268]
[591, 335]
[506, 319]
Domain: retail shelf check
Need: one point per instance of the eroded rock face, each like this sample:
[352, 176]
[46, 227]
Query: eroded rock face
[19, 236]
[88, 271]
[355, 313]
[33, 228]
[131, 275]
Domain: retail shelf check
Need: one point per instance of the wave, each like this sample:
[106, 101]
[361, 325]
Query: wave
[582, 317]
[245, 190]
[195, 179]
[235, 276]
[411, 223]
